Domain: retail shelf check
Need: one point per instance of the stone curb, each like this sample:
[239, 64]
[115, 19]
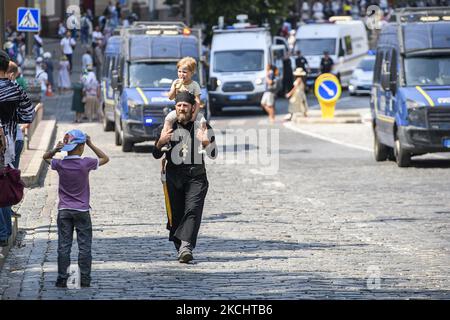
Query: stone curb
[46, 130]
[5, 250]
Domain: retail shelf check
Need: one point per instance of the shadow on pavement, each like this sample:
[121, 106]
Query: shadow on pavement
[430, 164]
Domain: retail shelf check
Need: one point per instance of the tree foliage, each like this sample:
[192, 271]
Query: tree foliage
[207, 12]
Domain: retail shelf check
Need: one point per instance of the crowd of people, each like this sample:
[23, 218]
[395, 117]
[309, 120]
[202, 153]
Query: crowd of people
[322, 10]
[13, 85]
[53, 73]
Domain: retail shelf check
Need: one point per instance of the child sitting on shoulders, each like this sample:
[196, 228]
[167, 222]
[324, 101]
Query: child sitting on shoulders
[186, 69]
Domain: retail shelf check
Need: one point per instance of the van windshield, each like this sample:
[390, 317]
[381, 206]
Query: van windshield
[367, 64]
[239, 60]
[427, 70]
[316, 47]
[154, 74]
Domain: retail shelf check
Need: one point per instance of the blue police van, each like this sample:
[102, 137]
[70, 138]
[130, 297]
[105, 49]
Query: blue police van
[111, 61]
[149, 52]
[410, 97]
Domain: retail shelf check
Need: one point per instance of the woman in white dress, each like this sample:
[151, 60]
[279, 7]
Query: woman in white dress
[64, 75]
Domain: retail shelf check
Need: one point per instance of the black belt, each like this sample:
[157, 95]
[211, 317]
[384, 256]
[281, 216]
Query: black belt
[189, 171]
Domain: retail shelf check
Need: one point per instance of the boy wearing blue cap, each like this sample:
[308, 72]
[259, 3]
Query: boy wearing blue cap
[73, 208]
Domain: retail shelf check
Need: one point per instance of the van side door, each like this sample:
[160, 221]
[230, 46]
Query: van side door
[377, 99]
[277, 40]
[347, 68]
[108, 67]
[375, 92]
[386, 115]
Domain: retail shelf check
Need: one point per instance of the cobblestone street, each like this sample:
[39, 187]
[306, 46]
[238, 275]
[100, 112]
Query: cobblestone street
[332, 223]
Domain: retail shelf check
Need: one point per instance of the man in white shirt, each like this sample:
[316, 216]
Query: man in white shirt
[86, 59]
[42, 78]
[91, 90]
[96, 35]
[37, 46]
[67, 45]
[318, 11]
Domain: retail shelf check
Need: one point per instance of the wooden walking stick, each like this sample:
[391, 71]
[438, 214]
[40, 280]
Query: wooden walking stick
[166, 192]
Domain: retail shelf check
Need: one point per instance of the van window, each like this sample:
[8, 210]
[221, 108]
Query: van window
[341, 49]
[427, 70]
[153, 74]
[393, 65]
[316, 47]
[366, 64]
[239, 60]
[348, 44]
[377, 68]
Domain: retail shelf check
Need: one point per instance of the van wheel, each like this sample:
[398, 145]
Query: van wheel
[127, 145]
[215, 111]
[402, 157]
[380, 150]
[391, 155]
[107, 125]
[117, 139]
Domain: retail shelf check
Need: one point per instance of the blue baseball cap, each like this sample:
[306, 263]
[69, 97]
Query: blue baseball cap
[73, 138]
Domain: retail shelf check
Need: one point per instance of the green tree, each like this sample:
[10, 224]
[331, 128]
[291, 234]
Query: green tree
[259, 11]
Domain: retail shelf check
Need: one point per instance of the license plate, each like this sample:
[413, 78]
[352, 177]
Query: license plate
[238, 97]
[446, 143]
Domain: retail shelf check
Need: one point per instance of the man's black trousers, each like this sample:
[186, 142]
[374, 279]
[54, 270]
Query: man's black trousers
[187, 197]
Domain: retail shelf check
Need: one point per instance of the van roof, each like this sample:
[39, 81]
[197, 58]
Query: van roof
[332, 30]
[172, 47]
[243, 40]
[417, 35]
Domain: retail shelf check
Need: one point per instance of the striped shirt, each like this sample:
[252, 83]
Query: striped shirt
[15, 107]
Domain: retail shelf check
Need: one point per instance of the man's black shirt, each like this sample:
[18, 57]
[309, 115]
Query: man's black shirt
[326, 65]
[180, 136]
[301, 62]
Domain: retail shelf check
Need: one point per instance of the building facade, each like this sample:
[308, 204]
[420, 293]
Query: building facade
[54, 11]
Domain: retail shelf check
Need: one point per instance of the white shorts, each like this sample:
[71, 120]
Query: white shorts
[268, 99]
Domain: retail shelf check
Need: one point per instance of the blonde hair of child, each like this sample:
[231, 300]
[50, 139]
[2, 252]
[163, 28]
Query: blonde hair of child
[189, 63]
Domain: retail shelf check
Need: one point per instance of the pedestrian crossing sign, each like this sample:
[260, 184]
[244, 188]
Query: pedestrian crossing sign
[28, 19]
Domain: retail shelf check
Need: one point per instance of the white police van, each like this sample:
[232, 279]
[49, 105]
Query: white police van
[238, 61]
[344, 39]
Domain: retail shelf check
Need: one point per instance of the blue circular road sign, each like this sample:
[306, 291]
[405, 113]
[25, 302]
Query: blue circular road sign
[328, 89]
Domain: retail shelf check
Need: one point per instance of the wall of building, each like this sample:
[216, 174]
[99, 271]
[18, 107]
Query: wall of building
[11, 9]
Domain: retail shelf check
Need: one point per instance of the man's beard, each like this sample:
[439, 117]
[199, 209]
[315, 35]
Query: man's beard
[184, 117]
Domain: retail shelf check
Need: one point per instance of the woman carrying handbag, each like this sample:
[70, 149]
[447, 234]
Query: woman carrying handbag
[15, 107]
